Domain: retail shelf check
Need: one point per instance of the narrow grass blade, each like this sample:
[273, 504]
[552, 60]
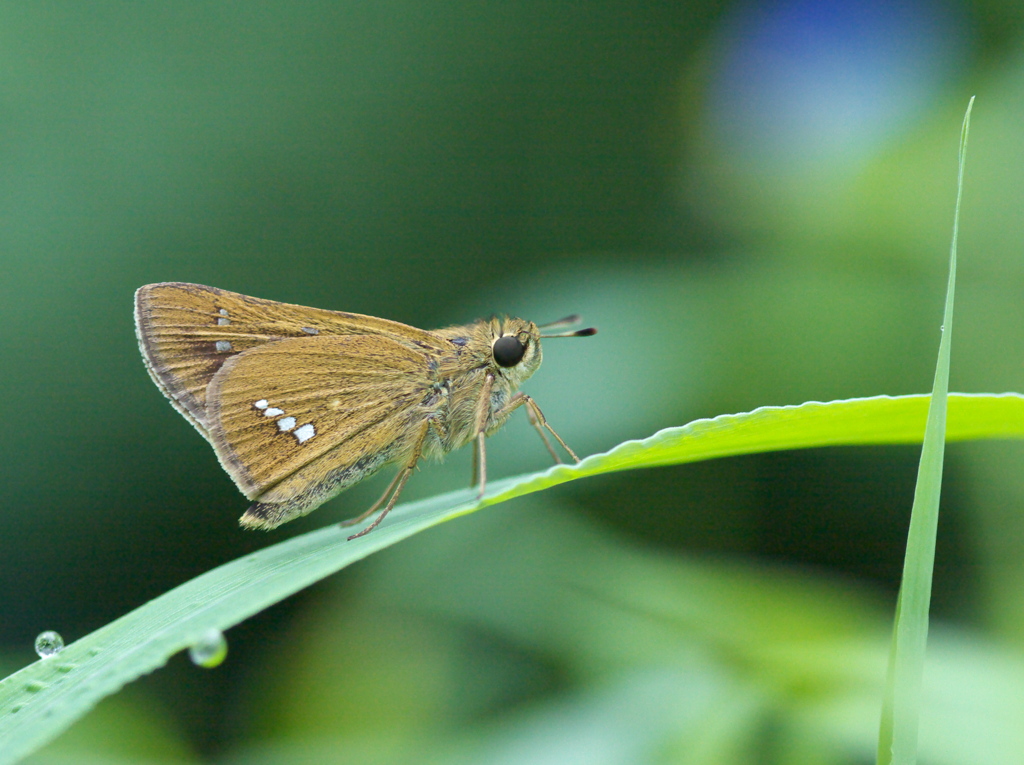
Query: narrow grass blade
[901, 708]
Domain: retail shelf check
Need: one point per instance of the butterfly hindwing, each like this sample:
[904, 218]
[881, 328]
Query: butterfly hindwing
[297, 420]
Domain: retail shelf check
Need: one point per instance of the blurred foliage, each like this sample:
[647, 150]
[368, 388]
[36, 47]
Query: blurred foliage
[752, 201]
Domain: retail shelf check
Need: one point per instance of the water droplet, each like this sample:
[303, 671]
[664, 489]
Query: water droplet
[65, 668]
[17, 708]
[49, 644]
[210, 650]
[34, 686]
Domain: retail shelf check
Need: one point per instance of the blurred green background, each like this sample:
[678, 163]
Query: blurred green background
[753, 201]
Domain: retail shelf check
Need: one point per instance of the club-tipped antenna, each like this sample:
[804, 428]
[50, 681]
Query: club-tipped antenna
[568, 322]
[577, 333]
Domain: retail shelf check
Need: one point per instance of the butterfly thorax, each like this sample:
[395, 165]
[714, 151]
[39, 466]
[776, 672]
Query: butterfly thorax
[464, 374]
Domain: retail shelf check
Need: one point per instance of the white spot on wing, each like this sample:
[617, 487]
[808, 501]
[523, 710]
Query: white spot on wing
[261, 404]
[272, 411]
[311, 330]
[223, 311]
[286, 424]
[222, 321]
[223, 345]
[304, 433]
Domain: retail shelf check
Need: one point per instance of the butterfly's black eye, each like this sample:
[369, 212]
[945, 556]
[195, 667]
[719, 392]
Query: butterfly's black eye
[508, 351]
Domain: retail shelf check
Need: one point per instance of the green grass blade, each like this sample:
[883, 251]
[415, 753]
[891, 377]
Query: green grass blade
[43, 699]
[897, 742]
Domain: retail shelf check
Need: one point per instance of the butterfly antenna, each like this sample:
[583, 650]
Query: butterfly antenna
[575, 333]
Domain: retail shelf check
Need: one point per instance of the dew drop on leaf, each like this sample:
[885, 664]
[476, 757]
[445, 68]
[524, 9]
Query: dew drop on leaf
[210, 650]
[49, 644]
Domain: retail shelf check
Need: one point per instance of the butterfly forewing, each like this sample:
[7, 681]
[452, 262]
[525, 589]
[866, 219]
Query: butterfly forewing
[310, 409]
[188, 331]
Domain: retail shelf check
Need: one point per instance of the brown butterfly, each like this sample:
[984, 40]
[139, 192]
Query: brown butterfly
[300, 403]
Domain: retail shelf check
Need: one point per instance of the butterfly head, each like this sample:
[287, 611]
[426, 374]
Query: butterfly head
[514, 347]
[508, 346]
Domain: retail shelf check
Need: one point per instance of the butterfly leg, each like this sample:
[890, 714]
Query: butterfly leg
[540, 430]
[373, 508]
[537, 419]
[475, 478]
[483, 406]
[395, 487]
[533, 412]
